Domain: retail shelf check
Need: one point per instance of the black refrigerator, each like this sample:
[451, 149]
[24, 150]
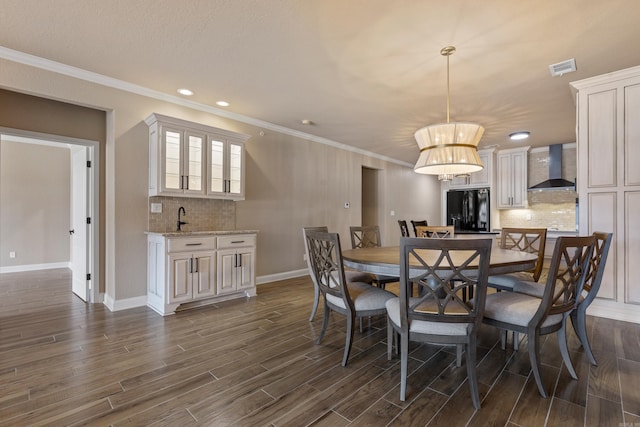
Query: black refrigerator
[468, 210]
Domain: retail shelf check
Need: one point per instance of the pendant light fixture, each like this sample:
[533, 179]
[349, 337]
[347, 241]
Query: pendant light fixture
[449, 149]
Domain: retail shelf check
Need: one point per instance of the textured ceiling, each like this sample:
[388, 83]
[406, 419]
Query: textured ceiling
[368, 73]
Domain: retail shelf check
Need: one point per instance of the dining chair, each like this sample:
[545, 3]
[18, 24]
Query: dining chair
[439, 315]
[404, 229]
[535, 316]
[530, 240]
[590, 289]
[354, 299]
[435, 231]
[414, 224]
[350, 275]
[369, 237]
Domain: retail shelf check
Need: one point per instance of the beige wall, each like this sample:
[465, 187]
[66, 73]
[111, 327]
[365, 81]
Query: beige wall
[291, 182]
[34, 203]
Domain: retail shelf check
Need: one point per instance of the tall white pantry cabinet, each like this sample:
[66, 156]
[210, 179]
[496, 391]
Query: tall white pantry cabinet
[608, 132]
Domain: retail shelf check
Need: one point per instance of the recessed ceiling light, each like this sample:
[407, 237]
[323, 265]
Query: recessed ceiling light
[222, 103]
[185, 92]
[516, 136]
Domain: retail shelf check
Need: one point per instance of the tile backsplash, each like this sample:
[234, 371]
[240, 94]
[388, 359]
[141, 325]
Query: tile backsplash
[553, 209]
[201, 214]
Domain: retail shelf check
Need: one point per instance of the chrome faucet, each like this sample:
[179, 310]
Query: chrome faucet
[181, 223]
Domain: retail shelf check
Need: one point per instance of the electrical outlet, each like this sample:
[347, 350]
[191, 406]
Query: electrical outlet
[156, 207]
[12, 254]
[528, 217]
[304, 257]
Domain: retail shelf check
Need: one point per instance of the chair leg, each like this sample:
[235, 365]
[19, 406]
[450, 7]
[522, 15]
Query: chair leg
[471, 373]
[316, 300]
[579, 323]
[564, 350]
[534, 351]
[349, 339]
[325, 322]
[459, 349]
[404, 361]
[390, 339]
[503, 339]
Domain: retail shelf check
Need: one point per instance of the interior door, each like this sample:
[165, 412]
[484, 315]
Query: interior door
[80, 236]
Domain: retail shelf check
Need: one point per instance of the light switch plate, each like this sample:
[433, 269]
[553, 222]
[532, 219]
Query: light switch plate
[156, 207]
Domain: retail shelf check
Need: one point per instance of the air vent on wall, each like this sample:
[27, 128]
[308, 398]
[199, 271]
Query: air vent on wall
[564, 67]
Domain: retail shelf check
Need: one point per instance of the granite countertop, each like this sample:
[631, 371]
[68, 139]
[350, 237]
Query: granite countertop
[200, 233]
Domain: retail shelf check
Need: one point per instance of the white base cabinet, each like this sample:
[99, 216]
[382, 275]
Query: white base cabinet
[198, 270]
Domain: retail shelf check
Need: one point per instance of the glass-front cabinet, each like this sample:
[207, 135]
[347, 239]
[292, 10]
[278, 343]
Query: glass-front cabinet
[226, 168]
[183, 164]
[190, 159]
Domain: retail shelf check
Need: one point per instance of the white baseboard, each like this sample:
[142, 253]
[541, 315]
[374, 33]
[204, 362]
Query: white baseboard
[614, 310]
[124, 304]
[34, 267]
[281, 276]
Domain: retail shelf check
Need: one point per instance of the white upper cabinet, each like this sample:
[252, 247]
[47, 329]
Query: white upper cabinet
[512, 178]
[226, 168]
[478, 179]
[194, 160]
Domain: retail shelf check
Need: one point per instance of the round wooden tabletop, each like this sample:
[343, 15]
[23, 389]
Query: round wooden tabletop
[386, 260]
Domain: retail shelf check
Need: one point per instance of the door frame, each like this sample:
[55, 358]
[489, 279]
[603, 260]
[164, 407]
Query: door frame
[93, 263]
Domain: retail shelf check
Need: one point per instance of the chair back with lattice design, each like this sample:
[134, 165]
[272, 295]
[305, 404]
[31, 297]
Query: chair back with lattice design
[435, 231]
[597, 264]
[532, 240]
[461, 266]
[325, 255]
[404, 229]
[365, 236]
[567, 272]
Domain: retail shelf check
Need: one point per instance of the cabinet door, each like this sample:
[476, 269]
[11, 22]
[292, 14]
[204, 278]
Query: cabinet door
[245, 277]
[217, 184]
[204, 274]
[172, 160]
[504, 184]
[194, 163]
[227, 266]
[481, 178]
[236, 170]
[180, 278]
[519, 180]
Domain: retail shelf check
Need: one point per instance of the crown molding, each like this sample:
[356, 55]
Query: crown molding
[89, 76]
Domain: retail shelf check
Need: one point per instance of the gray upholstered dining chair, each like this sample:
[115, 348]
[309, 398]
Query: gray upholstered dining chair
[369, 237]
[439, 315]
[532, 240]
[351, 276]
[355, 299]
[536, 316]
[589, 291]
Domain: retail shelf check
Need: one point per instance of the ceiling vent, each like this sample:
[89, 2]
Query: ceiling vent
[564, 67]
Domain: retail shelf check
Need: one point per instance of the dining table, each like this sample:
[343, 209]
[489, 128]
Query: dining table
[386, 260]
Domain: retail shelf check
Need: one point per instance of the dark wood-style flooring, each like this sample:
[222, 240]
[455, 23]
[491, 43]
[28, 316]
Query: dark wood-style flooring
[255, 363]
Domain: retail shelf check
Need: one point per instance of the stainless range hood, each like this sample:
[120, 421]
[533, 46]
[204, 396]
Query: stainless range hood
[555, 181]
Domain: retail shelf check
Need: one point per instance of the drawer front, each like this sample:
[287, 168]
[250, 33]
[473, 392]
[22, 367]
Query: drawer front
[184, 244]
[236, 241]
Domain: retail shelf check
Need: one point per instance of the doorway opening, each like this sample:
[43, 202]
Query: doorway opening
[78, 187]
[371, 198]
